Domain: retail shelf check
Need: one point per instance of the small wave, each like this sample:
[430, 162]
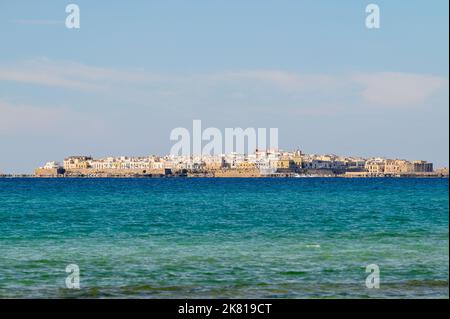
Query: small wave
[294, 273]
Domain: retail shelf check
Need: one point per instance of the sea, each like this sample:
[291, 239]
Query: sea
[224, 238]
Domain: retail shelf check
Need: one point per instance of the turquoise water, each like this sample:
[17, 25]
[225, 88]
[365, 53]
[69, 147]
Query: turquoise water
[243, 238]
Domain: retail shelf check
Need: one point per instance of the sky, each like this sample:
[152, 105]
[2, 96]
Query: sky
[136, 70]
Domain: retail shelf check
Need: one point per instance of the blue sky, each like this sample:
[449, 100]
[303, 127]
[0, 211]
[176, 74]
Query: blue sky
[136, 70]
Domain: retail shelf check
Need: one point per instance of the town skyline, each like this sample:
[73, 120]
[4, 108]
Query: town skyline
[128, 76]
[193, 156]
[260, 163]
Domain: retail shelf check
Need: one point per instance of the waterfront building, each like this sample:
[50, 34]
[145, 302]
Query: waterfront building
[52, 165]
[50, 169]
[245, 165]
[398, 167]
[422, 166]
[77, 162]
[375, 166]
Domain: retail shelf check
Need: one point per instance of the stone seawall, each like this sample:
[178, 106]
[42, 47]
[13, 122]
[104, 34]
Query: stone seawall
[113, 172]
[48, 172]
[237, 173]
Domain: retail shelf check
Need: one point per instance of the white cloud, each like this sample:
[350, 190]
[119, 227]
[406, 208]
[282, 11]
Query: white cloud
[42, 77]
[399, 89]
[18, 116]
[242, 88]
[287, 81]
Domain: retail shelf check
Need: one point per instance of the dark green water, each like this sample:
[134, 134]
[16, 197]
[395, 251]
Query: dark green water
[246, 238]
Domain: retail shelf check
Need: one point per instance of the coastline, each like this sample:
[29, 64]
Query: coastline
[198, 176]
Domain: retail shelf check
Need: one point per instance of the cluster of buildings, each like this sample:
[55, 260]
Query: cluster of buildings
[270, 163]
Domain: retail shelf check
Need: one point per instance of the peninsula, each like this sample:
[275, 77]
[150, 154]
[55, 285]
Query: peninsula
[262, 163]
